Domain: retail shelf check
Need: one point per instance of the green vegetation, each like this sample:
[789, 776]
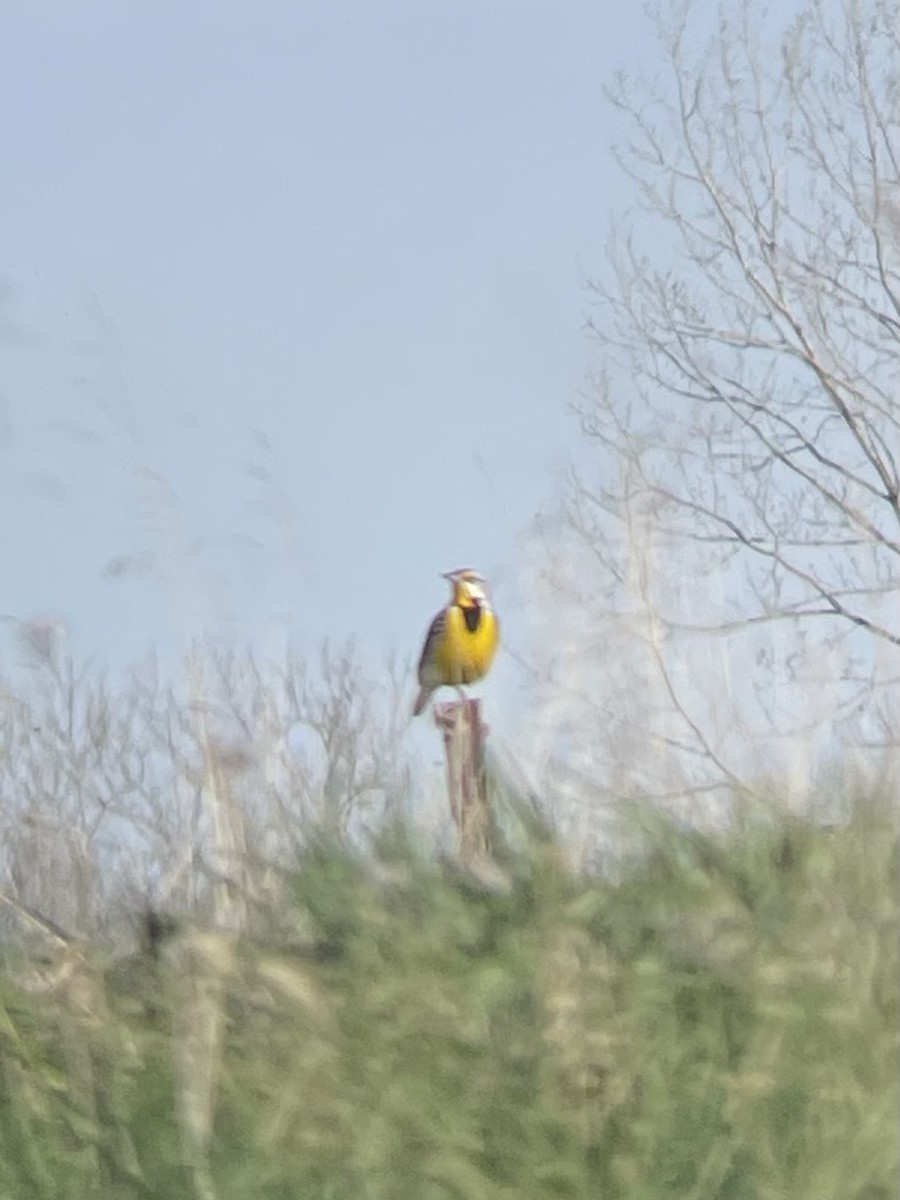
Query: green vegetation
[719, 1020]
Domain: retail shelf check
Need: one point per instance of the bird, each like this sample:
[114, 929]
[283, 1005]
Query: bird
[461, 640]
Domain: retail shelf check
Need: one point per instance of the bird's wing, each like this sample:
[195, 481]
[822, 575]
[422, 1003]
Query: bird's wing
[432, 638]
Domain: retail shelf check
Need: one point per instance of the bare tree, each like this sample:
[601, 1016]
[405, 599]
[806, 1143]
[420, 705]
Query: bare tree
[187, 793]
[747, 415]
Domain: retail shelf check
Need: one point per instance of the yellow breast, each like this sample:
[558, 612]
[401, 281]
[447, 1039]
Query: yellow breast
[464, 655]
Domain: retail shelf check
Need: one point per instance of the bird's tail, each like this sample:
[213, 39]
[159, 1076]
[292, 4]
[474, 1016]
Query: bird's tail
[422, 700]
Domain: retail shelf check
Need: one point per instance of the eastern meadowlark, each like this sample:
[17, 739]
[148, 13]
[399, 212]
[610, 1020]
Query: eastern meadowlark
[461, 640]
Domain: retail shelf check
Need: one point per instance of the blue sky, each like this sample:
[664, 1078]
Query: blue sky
[291, 306]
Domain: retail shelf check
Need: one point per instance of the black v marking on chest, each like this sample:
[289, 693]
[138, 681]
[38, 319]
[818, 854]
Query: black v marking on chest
[472, 617]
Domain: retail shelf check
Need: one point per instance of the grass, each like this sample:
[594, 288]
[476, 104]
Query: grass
[718, 1021]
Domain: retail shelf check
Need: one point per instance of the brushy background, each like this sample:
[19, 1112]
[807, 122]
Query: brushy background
[714, 1016]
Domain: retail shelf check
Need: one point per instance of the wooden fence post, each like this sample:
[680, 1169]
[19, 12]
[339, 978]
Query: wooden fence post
[464, 734]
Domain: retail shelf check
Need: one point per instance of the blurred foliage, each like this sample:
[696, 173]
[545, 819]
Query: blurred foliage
[716, 1018]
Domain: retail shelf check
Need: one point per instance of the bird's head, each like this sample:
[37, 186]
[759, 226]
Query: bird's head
[468, 588]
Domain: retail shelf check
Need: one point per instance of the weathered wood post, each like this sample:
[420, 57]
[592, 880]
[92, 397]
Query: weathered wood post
[463, 732]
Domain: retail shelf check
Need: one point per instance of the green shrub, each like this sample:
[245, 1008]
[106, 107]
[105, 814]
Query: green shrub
[718, 1020]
